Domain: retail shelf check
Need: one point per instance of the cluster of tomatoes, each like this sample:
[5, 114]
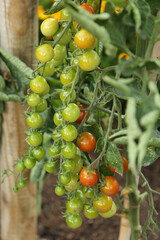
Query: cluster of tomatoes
[87, 189]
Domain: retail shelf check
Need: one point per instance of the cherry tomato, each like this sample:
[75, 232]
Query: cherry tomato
[56, 135]
[49, 27]
[66, 38]
[67, 77]
[78, 164]
[57, 118]
[33, 99]
[42, 106]
[65, 93]
[59, 52]
[87, 7]
[21, 183]
[86, 142]
[71, 113]
[20, 166]
[38, 84]
[35, 121]
[89, 211]
[88, 179]
[51, 166]
[15, 189]
[46, 91]
[88, 192]
[80, 195]
[103, 204]
[84, 39]
[69, 133]
[60, 190]
[65, 14]
[49, 68]
[110, 213]
[65, 178]
[54, 150]
[111, 187]
[74, 205]
[29, 162]
[125, 165]
[74, 183]
[69, 150]
[44, 53]
[74, 220]
[89, 60]
[39, 152]
[35, 139]
[68, 165]
[82, 113]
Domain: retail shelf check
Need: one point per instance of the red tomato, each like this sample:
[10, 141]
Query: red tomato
[82, 114]
[111, 187]
[88, 180]
[86, 142]
[125, 165]
[87, 7]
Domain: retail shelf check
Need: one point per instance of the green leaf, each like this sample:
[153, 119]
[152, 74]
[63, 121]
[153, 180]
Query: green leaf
[2, 83]
[95, 129]
[36, 171]
[114, 158]
[17, 68]
[99, 144]
[152, 154]
[56, 7]
[9, 97]
[87, 94]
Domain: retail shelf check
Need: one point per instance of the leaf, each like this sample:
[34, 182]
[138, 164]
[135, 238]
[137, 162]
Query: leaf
[86, 158]
[152, 154]
[17, 68]
[56, 7]
[11, 97]
[87, 94]
[114, 158]
[2, 83]
[95, 129]
[99, 144]
[36, 172]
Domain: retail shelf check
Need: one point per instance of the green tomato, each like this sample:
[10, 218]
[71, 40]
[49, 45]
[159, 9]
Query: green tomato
[51, 166]
[66, 38]
[88, 192]
[89, 212]
[33, 99]
[46, 91]
[21, 183]
[15, 189]
[42, 106]
[49, 27]
[80, 195]
[65, 14]
[89, 60]
[59, 52]
[65, 178]
[39, 153]
[68, 165]
[54, 150]
[56, 135]
[56, 103]
[49, 69]
[74, 183]
[44, 53]
[110, 213]
[65, 93]
[60, 190]
[57, 118]
[38, 84]
[68, 77]
[29, 162]
[69, 150]
[74, 205]
[72, 46]
[35, 121]
[35, 139]
[71, 113]
[69, 133]
[78, 164]
[74, 220]
[20, 166]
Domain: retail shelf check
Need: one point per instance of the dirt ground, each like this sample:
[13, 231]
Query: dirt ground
[51, 224]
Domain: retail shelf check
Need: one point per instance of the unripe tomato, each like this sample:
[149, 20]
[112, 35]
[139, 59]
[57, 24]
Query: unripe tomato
[74, 205]
[54, 150]
[111, 187]
[103, 204]
[29, 162]
[89, 212]
[67, 77]
[33, 99]
[49, 27]
[87, 7]
[59, 52]
[110, 213]
[51, 166]
[125, 165]
[82, 113]
[65, 14]
[60, 190]
[86, 142]
[73, 46]
[65, 93]
[57, 118]
[46, 91]
[68, 165]
[39, 152]
[71, 113]
[80, 195]
[56, 135]
[74, 220]
[78, 164]
[35, 139]
[44, 53]
[38, 84]
[66, 38]
[73, 184]
[21, 183]
[88, 179]
[65, 178]
[49, 69]
[89, 60]
[69, 150]
[88, 192]
[84, 39]
[42, 106]
[69, 133]
[34, 121]
[20, 166]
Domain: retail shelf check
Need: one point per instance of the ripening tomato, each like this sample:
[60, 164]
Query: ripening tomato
[49, 27]
[86, 142]
[89, 211]
[87, 7]
[125, 165]
[44, 53]
[74, 183]
[89, 60]
[88, 179]
[82, 113]
[103, 204]
[67, 36]
[84, 39]
[67, 77]
[110, 213]
[111, 187]
[74, 220]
